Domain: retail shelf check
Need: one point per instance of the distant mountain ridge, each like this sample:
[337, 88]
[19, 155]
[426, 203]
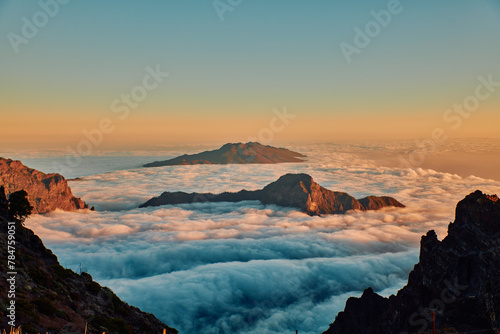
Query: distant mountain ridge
[458, 278]
[235, 153]
[46, 192]
[290, 190]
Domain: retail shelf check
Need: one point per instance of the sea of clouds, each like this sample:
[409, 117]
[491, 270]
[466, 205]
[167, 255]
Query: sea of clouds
[247, 267]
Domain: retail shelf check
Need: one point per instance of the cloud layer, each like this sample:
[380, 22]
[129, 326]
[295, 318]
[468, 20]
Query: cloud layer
[246, 267]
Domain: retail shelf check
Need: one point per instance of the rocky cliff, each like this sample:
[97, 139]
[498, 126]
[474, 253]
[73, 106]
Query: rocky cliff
[50, 298]
[458, 279]
[290, 190]
[238, 153]
[46, 192]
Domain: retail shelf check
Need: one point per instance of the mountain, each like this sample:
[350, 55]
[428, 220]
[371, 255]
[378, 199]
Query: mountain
[458, 278]
[300, 191]
[46, 192]
[239, 153]
[290, 190]
[50, 298]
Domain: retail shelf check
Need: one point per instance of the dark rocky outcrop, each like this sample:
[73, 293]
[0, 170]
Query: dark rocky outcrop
[238, 153]
[376, 202]
[4, 203]
[46, 192]
[290, 190]
[457, 278]
[50, 298]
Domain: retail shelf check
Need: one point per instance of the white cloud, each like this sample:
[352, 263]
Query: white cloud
[245, 267]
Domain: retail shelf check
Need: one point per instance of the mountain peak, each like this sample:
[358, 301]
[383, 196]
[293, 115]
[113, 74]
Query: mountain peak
[477, 221]
[235, 153]
[300, 190]
[294, 178]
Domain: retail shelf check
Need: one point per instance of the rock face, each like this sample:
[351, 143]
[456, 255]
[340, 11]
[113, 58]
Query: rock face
[50, 298]
[291, 190]
[374, 202]
[458, 278]
[300, 191]
[46, 192]
[239, 153]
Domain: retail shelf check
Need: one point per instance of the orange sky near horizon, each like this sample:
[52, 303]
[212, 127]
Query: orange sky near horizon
[37, 131]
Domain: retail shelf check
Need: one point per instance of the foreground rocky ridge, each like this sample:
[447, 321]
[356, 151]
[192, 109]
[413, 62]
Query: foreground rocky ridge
[238, 153]
[50, 298]
[457, 278]
[290, 190]
[46, 192]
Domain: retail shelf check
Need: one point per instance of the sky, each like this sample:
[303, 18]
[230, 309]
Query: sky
[66, 66]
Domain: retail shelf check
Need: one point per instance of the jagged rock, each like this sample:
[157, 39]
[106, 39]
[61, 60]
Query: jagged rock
[458, 278]
[238, 153]
[290, 190]
[50, 298]
[46, 192]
